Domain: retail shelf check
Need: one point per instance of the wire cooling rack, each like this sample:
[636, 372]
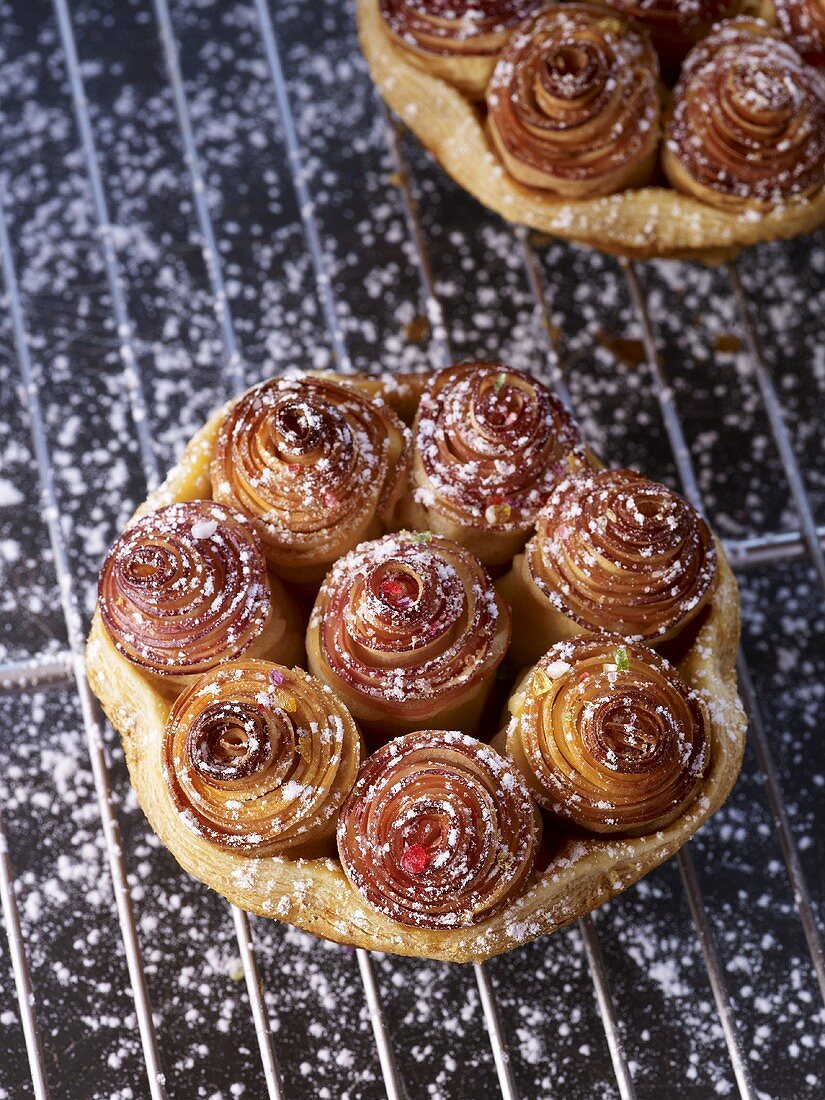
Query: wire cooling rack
[196, 195]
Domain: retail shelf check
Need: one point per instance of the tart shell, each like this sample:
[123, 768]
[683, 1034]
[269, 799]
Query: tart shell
[314, 894]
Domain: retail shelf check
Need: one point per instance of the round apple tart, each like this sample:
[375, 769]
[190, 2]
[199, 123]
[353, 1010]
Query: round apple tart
[643, 128]
[402, 664]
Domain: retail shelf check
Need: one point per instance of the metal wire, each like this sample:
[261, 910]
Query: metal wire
[715, 976]
[684, 466]
[20, 969]
[306, 206]
[209, 247]
[74, 630]
[598, 970]
[690, 487]
[48, 670]
[149, 462]
[769, 549]
[123, 325]
[664, 392]
[796, 483]
[790, 853]
[255, 991]
[501, 1055]
[682, 456]
[538, 290]
[392, 1078]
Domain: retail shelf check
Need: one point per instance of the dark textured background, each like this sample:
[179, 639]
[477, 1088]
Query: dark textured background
[313, 990]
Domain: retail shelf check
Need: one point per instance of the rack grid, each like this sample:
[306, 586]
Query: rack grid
[65, 666]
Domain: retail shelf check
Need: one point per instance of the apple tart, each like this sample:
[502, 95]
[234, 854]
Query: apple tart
[580, 134]
[391, 797]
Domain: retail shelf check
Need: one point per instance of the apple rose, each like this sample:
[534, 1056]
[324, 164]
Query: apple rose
[748, 120]
[489, 445]
[408, 631]
[614, 553]
[457, 40]
[185, 588]
[574, 102]
[439, 831]
[317, 465]
[609, 736]
[258, 759]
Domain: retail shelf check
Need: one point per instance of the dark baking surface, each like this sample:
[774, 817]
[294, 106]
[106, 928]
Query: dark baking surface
[323, 1035]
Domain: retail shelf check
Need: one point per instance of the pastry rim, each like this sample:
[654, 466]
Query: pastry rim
[645, 223]
[314, 894]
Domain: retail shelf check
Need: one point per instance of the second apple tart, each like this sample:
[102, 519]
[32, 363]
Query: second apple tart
[661, 128]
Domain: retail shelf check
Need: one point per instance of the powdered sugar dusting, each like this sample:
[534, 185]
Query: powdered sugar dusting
[314, 992]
